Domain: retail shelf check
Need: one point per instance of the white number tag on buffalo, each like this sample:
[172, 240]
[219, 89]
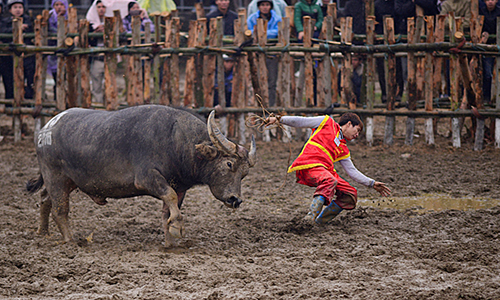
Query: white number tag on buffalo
[45, 135]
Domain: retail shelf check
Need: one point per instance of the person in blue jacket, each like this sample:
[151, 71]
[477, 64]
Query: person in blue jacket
[266, 12]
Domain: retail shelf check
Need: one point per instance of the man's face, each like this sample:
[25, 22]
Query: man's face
[135, 7]
[101, 9]
[490, 4]
[223, 5]
[228, 65]
[59, 8]
[355, 62]
[265, 7]
[351, 132]
[17, 10]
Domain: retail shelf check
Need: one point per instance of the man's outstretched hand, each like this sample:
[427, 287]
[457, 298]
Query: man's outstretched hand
[382, 188]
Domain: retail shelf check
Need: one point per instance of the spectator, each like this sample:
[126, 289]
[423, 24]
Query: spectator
[228, 16]
[228, 81]
[490, 12]
[59, 8]
[356, 10]
[95, 16]
[267, 13]
[386, 8]
[278, 7]
[324, 5]
[307, 8]
[135, 10]
[461, 8]
[15, 9]
[152, 6]
[356, 76]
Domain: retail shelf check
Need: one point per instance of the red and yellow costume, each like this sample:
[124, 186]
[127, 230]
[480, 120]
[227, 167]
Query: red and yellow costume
[315, 164]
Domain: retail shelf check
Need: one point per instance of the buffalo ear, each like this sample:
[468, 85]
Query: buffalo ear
[208, 152]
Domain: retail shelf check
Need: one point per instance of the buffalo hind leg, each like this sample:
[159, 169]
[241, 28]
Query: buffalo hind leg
[156, 185]
[45, 208]
[60, 211]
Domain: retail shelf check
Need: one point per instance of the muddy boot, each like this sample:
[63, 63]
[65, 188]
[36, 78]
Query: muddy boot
[330, 212]
[315, 208]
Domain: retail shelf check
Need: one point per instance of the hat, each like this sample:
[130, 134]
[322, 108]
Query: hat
[227, 57]
[12, 2]
[262, 1]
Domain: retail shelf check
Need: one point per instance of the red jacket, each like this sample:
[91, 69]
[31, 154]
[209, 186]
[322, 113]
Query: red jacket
[323, 148]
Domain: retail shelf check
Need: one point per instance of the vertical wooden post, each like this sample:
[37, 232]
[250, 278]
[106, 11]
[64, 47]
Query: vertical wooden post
[110, 62]
[209, 63]
[289, 12]
[147, 67]
[221, 84]
[201, 35]
[308, 62]
[454, 86]
[84, 65]
[61, 70]
[370, 74]
[390, 74]
[37, 81]
[165, 85]
[261, 34]
[156, 61]
[477, 72]
[131, 78]
[190, 67]
[285, 62]
[72, 62]
[44, 34]
[17, 38]
[412, 82]
[497, 90]
[237, 95]
[438, 61]
[200, 12]
[174, 63]
[324, 73]
[429, 132]
[419, 71]
[348, 95]
[252, 62]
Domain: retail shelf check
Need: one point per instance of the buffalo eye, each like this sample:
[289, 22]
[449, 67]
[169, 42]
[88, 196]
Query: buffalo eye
[229, 164]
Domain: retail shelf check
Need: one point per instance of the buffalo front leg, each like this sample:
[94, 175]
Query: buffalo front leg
[169, 238]
[156, 185]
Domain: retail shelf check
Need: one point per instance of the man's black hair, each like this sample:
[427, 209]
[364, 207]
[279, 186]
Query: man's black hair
[353, 118]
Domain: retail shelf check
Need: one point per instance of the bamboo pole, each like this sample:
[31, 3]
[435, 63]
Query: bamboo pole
[84, 65]
[412, 83]
[260, 32]
[110, 61]
[390, 74]
[221, 84]
[17, 37]
[61, 70]
[147, 67]
[190, 67]
[308, 62]
[156, 61]
[428, 75]
[370, 76]
[209, 64]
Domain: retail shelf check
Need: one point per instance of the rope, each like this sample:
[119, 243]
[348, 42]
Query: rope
[260, 124]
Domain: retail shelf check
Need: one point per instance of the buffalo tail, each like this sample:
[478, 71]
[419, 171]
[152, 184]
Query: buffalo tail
[33, 185]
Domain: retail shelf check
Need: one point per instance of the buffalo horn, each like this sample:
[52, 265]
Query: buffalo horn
[217, 138]
[252, 156]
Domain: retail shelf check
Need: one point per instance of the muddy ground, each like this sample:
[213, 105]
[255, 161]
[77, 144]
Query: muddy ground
[264, 249]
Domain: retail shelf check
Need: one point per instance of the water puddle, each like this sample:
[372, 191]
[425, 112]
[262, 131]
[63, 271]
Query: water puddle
[431, 202]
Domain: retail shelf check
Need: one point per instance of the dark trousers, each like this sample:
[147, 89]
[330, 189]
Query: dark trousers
[400, 80]
[7, 72]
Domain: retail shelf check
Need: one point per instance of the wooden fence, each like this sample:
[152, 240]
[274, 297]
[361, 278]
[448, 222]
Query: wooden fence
[147, 54]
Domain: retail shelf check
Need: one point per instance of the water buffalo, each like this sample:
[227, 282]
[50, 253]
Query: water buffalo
[144, 150]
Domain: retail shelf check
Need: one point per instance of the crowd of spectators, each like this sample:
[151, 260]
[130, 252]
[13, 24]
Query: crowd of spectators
[270, 10]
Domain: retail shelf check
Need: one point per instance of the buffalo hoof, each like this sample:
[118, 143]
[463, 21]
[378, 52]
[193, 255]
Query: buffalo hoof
[175, 230]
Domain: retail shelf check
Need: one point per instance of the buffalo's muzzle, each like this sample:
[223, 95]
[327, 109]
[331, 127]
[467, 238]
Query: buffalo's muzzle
[233, 202]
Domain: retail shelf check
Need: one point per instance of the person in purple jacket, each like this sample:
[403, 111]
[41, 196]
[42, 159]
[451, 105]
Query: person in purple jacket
[134, 9]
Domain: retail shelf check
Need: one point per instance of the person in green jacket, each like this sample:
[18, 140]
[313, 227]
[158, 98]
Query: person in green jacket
[307, 8]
